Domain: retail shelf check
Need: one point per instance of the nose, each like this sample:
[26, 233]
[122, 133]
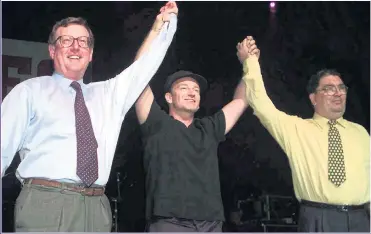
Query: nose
[75, 45]
[338, 92]
[191, 93]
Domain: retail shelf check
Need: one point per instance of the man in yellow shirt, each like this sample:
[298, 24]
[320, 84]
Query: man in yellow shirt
[329, 156]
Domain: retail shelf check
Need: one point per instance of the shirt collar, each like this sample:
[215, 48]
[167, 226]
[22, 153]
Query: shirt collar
[65, 82]
[323, 122]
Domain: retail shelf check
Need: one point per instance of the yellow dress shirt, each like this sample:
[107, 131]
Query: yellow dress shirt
[305, 142]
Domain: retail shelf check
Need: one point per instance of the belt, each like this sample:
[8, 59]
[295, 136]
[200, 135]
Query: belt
[92, 191]
[344, 208]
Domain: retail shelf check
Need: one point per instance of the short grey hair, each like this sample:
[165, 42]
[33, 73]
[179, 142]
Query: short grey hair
[69, 21]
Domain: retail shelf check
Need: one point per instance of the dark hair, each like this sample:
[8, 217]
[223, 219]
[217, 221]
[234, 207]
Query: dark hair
[314, 79]
[68, 21]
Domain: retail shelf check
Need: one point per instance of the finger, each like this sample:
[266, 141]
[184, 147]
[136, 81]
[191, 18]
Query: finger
[170, 5]
[256, 51]
[245, 43]
[241, 46]
[162, 9]
[252, 42]
[171, 8]
[252, 48]
[249, 38]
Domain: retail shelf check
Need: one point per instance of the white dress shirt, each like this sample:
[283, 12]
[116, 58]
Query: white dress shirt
[38, 117]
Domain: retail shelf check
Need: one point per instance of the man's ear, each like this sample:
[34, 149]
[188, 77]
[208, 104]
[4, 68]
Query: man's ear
[312, 98]
[51, 51]
[168, 98]
[91, 55]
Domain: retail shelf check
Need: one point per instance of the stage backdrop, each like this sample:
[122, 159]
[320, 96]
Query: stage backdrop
[26, 59]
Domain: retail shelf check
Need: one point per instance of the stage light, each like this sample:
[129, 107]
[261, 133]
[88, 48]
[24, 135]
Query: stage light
[272, 7]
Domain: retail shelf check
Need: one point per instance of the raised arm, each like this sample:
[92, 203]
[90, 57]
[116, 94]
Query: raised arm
[144, 102]
[279, 124]
[233, 110]
[126, 87]
[161, 18]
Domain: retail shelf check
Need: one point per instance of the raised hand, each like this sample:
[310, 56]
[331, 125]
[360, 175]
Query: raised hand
[164, 15]
[247, 48]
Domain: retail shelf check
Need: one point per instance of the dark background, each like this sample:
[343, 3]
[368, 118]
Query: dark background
[296, 39]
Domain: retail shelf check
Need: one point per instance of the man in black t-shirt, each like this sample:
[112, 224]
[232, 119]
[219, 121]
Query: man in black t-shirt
[180, 155]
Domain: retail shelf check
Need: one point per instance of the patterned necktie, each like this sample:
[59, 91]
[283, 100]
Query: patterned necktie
[87, 158]
[336, 165]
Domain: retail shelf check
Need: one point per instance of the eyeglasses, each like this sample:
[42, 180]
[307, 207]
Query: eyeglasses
[67, 41]
[331, 89]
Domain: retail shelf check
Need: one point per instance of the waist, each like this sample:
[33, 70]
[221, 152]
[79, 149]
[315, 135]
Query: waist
[182, 208]
[344, 208]
[61, 172]
[94, 190]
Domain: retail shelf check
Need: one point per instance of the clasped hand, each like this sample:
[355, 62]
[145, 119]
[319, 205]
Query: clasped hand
[247, 48]
[164, 15]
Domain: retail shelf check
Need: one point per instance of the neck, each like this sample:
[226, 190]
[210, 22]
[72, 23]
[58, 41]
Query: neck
[185, 117]
[71, 75]
[333, 116]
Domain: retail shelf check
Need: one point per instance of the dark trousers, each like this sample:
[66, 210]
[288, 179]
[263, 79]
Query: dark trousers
[46, 209]
[315, 218]
[163, 224]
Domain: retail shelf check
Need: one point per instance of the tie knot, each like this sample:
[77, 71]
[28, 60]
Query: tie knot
[332, 122]
[76, 86]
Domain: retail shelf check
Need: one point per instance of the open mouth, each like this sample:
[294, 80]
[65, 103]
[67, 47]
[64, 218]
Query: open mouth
[74, 57]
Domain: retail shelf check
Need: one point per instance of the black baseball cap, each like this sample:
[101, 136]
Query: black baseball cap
[202, 82]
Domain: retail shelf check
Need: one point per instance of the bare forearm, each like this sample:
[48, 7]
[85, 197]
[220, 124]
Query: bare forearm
[234, 109]
[143, 104]
[240, 93]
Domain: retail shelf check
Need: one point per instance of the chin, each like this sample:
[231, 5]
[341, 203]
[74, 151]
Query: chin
[338, 113]
[75, 68]
[339, 110]
[192, 110]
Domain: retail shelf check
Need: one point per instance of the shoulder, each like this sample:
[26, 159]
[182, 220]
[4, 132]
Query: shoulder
[96, 84]
[33, 83]
[214, 125]
[217, 117]
[356, 126]
[309, 121]
[157, 117]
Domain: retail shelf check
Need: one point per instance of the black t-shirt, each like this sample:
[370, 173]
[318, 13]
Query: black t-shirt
[181, 165]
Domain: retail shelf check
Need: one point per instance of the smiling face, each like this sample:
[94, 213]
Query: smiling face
[71, 61]
[184, 96]
[329, 100]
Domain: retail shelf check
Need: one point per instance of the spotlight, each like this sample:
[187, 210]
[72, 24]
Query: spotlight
[272, 7]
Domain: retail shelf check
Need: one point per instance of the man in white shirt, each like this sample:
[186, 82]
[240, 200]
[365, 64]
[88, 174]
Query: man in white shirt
[66, 131]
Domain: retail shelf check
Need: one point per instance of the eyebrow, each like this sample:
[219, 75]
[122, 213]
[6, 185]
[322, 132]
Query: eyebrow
[326, 85]
[186, 85]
